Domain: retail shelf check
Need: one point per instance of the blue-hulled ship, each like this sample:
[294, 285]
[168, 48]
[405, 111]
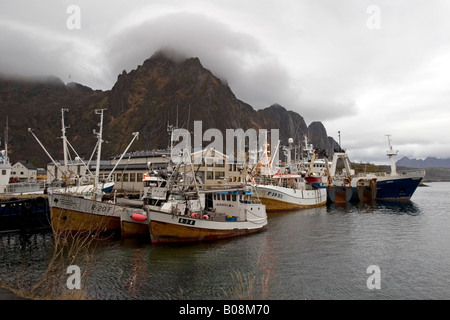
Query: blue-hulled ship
[397, 185]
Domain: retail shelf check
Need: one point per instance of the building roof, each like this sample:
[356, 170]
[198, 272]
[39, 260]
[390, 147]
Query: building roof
[143, 154]
[27, 164]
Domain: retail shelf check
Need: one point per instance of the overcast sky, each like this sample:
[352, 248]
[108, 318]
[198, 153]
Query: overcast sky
[364, 68]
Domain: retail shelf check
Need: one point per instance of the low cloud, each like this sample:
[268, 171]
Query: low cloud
[319, 59]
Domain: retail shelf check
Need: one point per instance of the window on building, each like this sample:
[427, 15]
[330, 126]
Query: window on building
[210, 175]
[132, 177]
[139, 177]
[125, 177]
[220, 175]
[220, 163]
[209, 162]
[118, 177]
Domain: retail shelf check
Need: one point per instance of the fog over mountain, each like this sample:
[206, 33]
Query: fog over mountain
[159, 92]
[362, 68]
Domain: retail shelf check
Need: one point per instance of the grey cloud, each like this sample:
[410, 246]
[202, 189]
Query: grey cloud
[253, 73]
[317, 58]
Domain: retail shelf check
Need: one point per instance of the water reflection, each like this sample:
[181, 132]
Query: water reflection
[320, 253]
[378, 206]
[399, 207]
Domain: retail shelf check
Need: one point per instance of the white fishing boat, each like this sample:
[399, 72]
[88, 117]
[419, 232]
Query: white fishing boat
[180, 210]
[207, 215]
[72, 183]
[77, 212]
[286, 191]
[290, 192]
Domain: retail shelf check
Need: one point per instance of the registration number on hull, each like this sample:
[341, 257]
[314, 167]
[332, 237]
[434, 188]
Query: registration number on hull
[100, 208]
[186, 221]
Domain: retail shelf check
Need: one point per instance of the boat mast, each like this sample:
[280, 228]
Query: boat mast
[99, 150]
[391, 154]
[64, 138]
[135, 136]
[6, 141]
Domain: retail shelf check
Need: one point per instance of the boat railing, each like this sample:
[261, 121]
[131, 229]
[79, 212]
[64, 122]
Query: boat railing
[412, 172]
[405, 173]
[23, 187]
[252, 201]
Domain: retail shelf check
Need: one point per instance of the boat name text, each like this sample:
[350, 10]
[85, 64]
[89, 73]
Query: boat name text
[274, 194]
[186, 221]
[100, 208]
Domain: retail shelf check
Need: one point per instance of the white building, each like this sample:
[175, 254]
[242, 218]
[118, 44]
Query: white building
[127, 175]
[214, 169]
[24, 171]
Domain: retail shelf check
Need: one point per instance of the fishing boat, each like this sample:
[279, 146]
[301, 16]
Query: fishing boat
[181, 210]
[207, 215]
[364, 189]
[71, 182]
[134, 223]
[367, 187]
[79, 213]
[397, 185]
[286, 191]
[339, 188]
[75, 214]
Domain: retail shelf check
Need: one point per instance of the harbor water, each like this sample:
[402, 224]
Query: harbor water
[329, 252]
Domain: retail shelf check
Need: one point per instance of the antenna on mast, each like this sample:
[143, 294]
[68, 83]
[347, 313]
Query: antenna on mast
[6, 141]
[391, 153]
[64, 138]
[99, 150]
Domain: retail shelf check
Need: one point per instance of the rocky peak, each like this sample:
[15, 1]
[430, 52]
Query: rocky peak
[164, 89]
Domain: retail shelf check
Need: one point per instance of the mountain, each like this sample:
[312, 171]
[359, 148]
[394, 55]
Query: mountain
[430, 162]
[158, 92]
[436, 169]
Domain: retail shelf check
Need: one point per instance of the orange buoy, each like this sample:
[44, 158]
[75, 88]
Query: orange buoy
[195, 215]
[205, 217]
[138, 217]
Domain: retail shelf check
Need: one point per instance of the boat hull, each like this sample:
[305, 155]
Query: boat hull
[73, 221]
[339, 194]
[277, 198]
[130, 227]
[397, 188]
[168, 228]
[74, 214]
[365, 190]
